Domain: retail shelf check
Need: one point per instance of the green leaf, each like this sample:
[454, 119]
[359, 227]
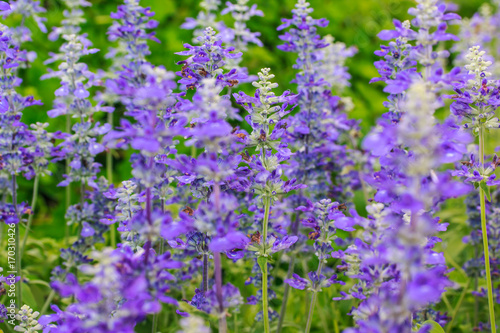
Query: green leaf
[435, 327]
[40, 282]
[262, 261]
[486, 190]
[28, 297]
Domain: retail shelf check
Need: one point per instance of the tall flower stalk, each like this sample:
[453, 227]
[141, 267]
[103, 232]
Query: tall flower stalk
[474, 106]
[325, 218]
[491, 302]
[215, 168]
[318, 132]
[266, 116]
[395, 258]
[70, 26]
[18, 148]
[264, 267]
[16, 141]
[41, 149]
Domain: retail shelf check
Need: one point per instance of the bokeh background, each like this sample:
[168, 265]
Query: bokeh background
[354, 22]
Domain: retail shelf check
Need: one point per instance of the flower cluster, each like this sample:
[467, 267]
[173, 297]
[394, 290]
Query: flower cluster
[230, 188]
[395, 261]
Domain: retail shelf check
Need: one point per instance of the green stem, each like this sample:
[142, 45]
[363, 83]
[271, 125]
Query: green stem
[18, 243]
[2, 231]
[205, 273]
[265, 301]
[336, 321]
[322, 316]
[68, 187]
[491, 303]
[311, 311]
[218, 270]
[286, 294]
[109, 173]
[18, 269]
[47, 302]
[109, 155]
[154, 329]
[313, 300]
[476, 299]
[218, 291]
[457, 307]
[294, 230]
[157, 315]
[30, 218]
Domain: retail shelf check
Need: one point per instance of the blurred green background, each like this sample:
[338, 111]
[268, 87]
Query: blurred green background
[353, 22]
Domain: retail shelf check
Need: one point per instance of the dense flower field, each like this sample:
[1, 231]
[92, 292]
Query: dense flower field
[196, 192]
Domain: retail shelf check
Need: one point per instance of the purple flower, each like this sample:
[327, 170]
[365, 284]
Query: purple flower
[297, 282]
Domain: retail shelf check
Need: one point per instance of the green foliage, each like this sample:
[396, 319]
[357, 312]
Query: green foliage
[436, 328]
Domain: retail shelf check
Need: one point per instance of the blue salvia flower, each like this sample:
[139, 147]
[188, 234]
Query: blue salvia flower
[266, 116]
[81, 146]
[27, 9]
[121, 290]
[333, 64]
[131, 29]
[477, 97]
[146, 92]
[17, 142]
[149, 101]
[474, 267]
[73, 19]
[42, 148]
[316, 129]
[206, 18]
[318, 132]
[398, 240]
[240, 35]
[15, 137]
[324, 217]
[396, 268]
[207, 61]
[479, 30]
[72, 98]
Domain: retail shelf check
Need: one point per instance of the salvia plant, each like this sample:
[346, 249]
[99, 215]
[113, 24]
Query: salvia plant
[215, 194]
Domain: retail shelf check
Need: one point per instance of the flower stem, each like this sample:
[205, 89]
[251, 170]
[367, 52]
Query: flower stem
[311, 310]
[313, 300]
[218, 291]
[491, 304]
[235, 318]
[68, 187]
[286, 292]
[18, 253]
[109, 174]
[30, 218]
[205, 272]
[109, 155]
[265, 300]
[154, 328]
[218, 269]
[47, 302]
[457, 307]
